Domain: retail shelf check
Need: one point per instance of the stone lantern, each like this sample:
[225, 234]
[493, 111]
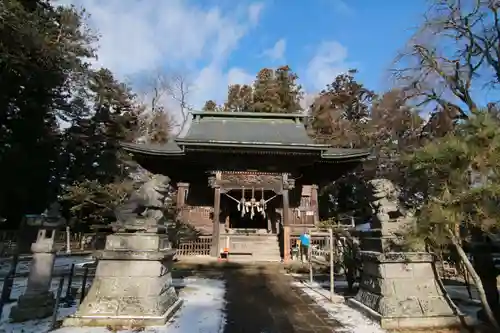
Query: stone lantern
[38, 301]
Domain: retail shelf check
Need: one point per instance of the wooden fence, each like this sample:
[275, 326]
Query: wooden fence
[196, 247]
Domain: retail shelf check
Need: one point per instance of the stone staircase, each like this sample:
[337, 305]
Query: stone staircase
[251, 247]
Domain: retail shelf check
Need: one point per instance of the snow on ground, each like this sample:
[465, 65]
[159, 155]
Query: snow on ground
[201, 312]
[203, 309]
[319, 291]
[32, 326]
[352, 320]
[38, 326]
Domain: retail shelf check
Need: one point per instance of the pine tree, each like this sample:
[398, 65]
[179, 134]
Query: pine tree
[339, 114]
[266, 96]
[42, 50]
[210, 106]
[290, 93]
[239, 98]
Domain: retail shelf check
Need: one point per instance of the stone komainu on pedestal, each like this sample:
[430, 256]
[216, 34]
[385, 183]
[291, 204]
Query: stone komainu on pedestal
[398, 289]
[133, 279]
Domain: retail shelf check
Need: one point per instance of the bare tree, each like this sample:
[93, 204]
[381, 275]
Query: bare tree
[178, 87]
[156, 121]
[454, 51]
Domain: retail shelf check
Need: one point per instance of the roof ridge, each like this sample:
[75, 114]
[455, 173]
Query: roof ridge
[225, 114]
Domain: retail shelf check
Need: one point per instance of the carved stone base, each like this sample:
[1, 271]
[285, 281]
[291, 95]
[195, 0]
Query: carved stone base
[132, 284]
[33, 306]
[399, 290]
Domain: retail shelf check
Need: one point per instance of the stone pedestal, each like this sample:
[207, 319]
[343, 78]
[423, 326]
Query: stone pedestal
[38, 301]
[132, 284]
[399, 290]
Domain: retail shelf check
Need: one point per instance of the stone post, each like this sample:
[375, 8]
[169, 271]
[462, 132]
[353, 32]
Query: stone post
[38, 301]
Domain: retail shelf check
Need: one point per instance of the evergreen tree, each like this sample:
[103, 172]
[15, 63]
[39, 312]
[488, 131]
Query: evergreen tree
[290, 93]
[210, 106]
[42, 50]
[266, 96]
[239, 98]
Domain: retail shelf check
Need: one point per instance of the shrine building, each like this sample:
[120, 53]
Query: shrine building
[245, 177]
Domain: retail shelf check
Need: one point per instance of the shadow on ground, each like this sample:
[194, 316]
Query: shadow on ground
[321, 276]
[261, 299]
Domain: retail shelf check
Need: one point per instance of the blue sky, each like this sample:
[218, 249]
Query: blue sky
[371, 31]
[214, 43]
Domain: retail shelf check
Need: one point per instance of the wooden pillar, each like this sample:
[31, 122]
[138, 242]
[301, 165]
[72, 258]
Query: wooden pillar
[286, 218]
[182, 191]
[216, 223]
[314, 202]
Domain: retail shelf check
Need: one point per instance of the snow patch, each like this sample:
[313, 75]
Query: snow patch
[352, 320]
[201, 312]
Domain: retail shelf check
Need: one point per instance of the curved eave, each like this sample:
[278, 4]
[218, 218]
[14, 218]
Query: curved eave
[257, 145]
[260, 115]
[339, 154]
[173, 149]
[156, 150]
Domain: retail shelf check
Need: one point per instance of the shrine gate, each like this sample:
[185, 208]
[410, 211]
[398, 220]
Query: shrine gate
[247, 174]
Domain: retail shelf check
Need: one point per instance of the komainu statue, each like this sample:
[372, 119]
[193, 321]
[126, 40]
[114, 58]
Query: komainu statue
[389, 217]
[384, 200]
[143, 210]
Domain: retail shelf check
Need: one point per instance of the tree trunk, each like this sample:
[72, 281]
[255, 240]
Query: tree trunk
[477, 281]
[68, 239]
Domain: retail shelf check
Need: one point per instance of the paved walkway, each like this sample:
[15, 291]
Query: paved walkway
[260, 299]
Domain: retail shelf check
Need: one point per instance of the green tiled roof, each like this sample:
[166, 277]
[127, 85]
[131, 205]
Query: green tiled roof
[240, 128]
[272, 131]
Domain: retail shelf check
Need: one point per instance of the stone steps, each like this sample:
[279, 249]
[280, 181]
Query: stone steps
[253, 259]
[252, 247]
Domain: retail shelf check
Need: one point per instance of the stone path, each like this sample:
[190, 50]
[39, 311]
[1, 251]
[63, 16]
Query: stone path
[260, 299]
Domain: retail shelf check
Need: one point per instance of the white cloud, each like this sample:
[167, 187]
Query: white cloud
[277, 52]
[307, 100]
[329, 61]
[254, 12]
[342, 7]
[141, 36]
[239, 76]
